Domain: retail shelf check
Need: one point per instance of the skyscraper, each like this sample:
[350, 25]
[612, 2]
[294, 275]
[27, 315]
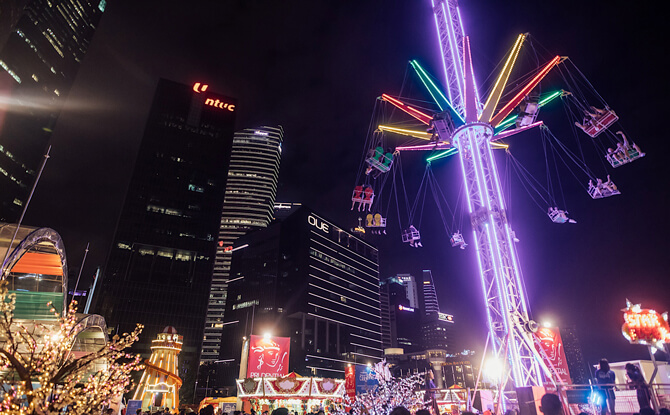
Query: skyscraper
[409, 282]
[160, 265]
[310, 280]
[42, 44]
[249, 200]
[434, 324]
[401, 322]
[430, 305]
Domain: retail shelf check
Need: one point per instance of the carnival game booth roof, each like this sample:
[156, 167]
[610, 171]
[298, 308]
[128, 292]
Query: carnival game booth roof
[292, 388]
[35, 267]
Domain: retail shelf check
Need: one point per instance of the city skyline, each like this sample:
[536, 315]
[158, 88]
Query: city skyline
[566, 269]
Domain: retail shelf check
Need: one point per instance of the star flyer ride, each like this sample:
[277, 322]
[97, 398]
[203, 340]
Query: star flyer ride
[467, 126]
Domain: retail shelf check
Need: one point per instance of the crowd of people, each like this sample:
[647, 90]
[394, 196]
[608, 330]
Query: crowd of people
[606, 381]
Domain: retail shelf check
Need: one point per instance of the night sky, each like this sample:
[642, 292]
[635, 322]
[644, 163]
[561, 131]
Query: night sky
[316, 68]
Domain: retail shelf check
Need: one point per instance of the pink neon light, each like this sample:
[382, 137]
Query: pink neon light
[510, 133]
[442, 145]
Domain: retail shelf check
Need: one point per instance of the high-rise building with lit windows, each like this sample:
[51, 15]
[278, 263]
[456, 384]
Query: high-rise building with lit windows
[409, 282]
[308, 279]
[430, 305]
[250, 195]
[42, 44]
[436, 327]
[159, 268]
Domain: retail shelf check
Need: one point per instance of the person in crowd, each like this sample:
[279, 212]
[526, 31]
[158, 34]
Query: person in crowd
[429, 395]
[636, 381]
[606, 378]
[550, 404]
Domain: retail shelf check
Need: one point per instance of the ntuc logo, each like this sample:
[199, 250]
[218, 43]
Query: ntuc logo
[219, 104]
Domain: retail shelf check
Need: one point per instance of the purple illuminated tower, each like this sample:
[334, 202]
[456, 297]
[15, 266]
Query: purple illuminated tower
[472, 133]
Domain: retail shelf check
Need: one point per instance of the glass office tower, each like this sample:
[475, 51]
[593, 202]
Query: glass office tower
[160, 265]
[42, 44]
[311, 280]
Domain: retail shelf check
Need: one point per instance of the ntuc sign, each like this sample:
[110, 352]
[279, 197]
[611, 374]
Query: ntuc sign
[219, 104]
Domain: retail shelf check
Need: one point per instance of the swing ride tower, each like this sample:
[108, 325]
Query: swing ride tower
[509, 324]
[472, 128]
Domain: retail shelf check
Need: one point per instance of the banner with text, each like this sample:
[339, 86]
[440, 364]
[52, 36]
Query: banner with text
[549, 340]
[350, 382]
[268, 356]
[366, 380]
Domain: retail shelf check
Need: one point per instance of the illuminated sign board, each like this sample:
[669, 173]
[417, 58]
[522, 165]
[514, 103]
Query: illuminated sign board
[263, 133]
[319, 224]
[548, 340]
[644, 326]
[268, 356]
[219, 104]
[198, 87]
[445, 317]
[403, 308]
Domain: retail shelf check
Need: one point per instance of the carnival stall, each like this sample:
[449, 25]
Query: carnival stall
[297, 393]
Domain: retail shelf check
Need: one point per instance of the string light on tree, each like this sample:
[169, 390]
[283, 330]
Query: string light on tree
[41, 374]
[390, 393]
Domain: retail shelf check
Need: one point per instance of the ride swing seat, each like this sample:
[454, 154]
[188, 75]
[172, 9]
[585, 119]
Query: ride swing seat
[364, 198]
[594, 125]
[457, 241]
[376, 223]
[619, 157]
[412, 236]
[379, 160]
[559, 216]
[528, 111]
[602, 190]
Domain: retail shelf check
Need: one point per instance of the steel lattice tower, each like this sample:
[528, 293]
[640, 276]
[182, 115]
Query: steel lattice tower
[506, 303]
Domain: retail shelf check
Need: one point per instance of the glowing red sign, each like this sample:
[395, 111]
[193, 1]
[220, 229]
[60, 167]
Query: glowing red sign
[198, 87]
[268, 356]
[644, 326]
[219, 104]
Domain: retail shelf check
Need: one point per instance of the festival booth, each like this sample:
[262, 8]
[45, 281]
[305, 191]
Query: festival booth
[453, 400]
[227, 404]
[297, 393]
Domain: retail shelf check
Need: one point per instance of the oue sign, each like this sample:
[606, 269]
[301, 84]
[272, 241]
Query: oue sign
[319, 224]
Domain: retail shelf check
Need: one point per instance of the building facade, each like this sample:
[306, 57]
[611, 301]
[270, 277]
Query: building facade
[42, 44]
[409, 282]
[308, 279]
[159, 268]
[401, 323]
[435, 325]
[579, 370]
[249, 199]
[430, 304]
